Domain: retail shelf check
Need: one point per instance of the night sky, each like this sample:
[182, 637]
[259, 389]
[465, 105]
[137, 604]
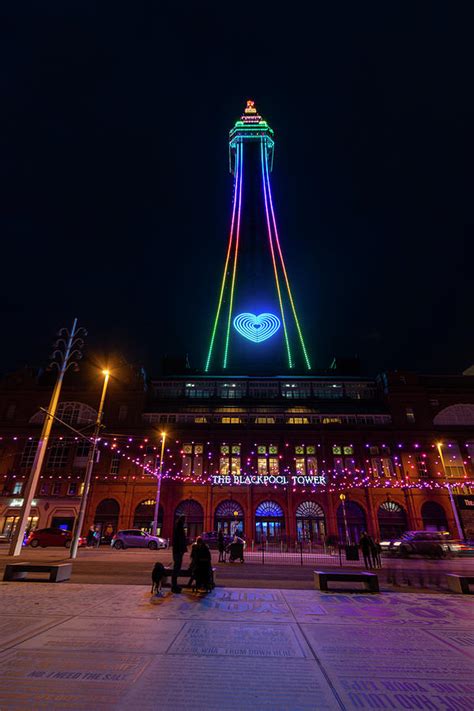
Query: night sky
[116, 195]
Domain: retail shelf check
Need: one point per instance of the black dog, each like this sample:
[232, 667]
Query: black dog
[157, 575]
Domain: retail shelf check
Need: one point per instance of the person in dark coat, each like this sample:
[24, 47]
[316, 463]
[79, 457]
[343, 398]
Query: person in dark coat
[375, 551]
[179, 549]
[221, 546]
[201, 568]
[90, 537]
[365, 544]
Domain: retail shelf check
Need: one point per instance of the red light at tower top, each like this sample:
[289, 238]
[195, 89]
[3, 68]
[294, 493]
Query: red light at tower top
[250, 108]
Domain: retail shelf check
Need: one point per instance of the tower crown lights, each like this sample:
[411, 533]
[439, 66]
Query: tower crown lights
[250, 127]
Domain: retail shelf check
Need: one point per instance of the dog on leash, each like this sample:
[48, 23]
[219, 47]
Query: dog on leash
[157, 575]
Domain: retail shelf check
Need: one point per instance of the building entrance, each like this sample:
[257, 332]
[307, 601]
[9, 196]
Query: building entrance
[229, 518]
[310, 523]
[269, 523]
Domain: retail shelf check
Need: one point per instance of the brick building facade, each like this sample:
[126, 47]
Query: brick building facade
[267, 456]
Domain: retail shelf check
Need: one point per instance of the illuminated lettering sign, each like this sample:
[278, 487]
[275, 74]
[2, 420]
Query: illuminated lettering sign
[18, 503]
[267, 479]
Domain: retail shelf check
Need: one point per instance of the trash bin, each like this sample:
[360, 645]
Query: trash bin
[352, 552]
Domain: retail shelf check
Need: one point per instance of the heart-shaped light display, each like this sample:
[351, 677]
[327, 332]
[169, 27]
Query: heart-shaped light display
[256, 328]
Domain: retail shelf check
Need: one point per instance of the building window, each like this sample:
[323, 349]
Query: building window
[410, 415]
[82, 454]
[17, 488]
[382, 467]
[230, 461]
[267, 460]
[305, 460]
[72, 489]
[28, 454]
[192, 459]
[44, 489]
[297, 421]
[57, 488]
[58, 455]
[264, 420]
[123, 412]
[422, 465]
[115, 463]
[231, 420]
[452, 460]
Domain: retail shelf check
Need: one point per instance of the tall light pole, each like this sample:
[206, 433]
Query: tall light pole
[90, 465]
[346, 527]
[67, 352]
[158, 485]
[439, 446]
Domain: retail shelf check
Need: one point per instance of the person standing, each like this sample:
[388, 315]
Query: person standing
[179, 549]
[365, 546]
[221, 546]
[91, 537]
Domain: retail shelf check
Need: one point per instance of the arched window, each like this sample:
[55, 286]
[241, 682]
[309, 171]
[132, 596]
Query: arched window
[229, 517]
[269, 509]
[309, 509]
[434, 517]
[461, 414]
[74, 413]
[194, 514]
[352, 524]
[144, 515]
[310, 523]
[392, 520]
[229, 508]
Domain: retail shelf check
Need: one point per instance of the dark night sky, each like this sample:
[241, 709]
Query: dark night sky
[116, 193]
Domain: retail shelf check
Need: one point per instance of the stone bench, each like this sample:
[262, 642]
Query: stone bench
[20, 572]
[183, 573]
[369, 580]
[460, 583]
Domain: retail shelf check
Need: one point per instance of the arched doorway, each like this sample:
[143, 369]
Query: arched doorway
[106, 519]
[434, 517]
[310, 523]
[392, 520]
[269, 522]
[144, 515]
[229, 517]
[356, 522]
[194, 517]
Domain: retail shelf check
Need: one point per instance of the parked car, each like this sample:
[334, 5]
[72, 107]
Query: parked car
[432, 544]
[211, 538]
[45, 537]
[135, 538]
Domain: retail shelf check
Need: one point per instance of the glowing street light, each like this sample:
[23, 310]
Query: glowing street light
[158, 485]
[90, 465]
[439, 447]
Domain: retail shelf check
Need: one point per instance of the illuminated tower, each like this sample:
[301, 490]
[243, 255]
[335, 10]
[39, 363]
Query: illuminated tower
[256, 320]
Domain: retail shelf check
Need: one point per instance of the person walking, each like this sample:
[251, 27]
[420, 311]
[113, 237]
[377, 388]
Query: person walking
[365, 546]
[375, 550]
[179, 549]
[90, 540]
[221, 546]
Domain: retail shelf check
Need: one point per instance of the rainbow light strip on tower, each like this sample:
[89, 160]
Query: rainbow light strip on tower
[251, 127]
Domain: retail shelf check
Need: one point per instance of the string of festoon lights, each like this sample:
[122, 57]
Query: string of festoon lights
[141, 453]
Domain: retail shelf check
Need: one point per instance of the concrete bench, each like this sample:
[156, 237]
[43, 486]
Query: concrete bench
[369, 580]
[460, 583]
[183, 573]
[20, 571]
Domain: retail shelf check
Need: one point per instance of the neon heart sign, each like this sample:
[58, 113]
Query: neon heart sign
[256, 328]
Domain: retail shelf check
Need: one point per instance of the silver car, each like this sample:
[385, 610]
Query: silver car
[135, 538]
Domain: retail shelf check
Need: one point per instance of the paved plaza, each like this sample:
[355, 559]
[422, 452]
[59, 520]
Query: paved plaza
[75, 646]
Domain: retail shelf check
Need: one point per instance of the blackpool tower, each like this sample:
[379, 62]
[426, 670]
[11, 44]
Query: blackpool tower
[256, 325]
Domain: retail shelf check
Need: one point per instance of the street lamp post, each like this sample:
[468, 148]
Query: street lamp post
[346, 528]
[439, 446]
[90, 465]
[67, 352]
[158, 485]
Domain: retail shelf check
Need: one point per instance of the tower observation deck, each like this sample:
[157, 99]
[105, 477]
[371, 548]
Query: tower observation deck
[256, 327]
